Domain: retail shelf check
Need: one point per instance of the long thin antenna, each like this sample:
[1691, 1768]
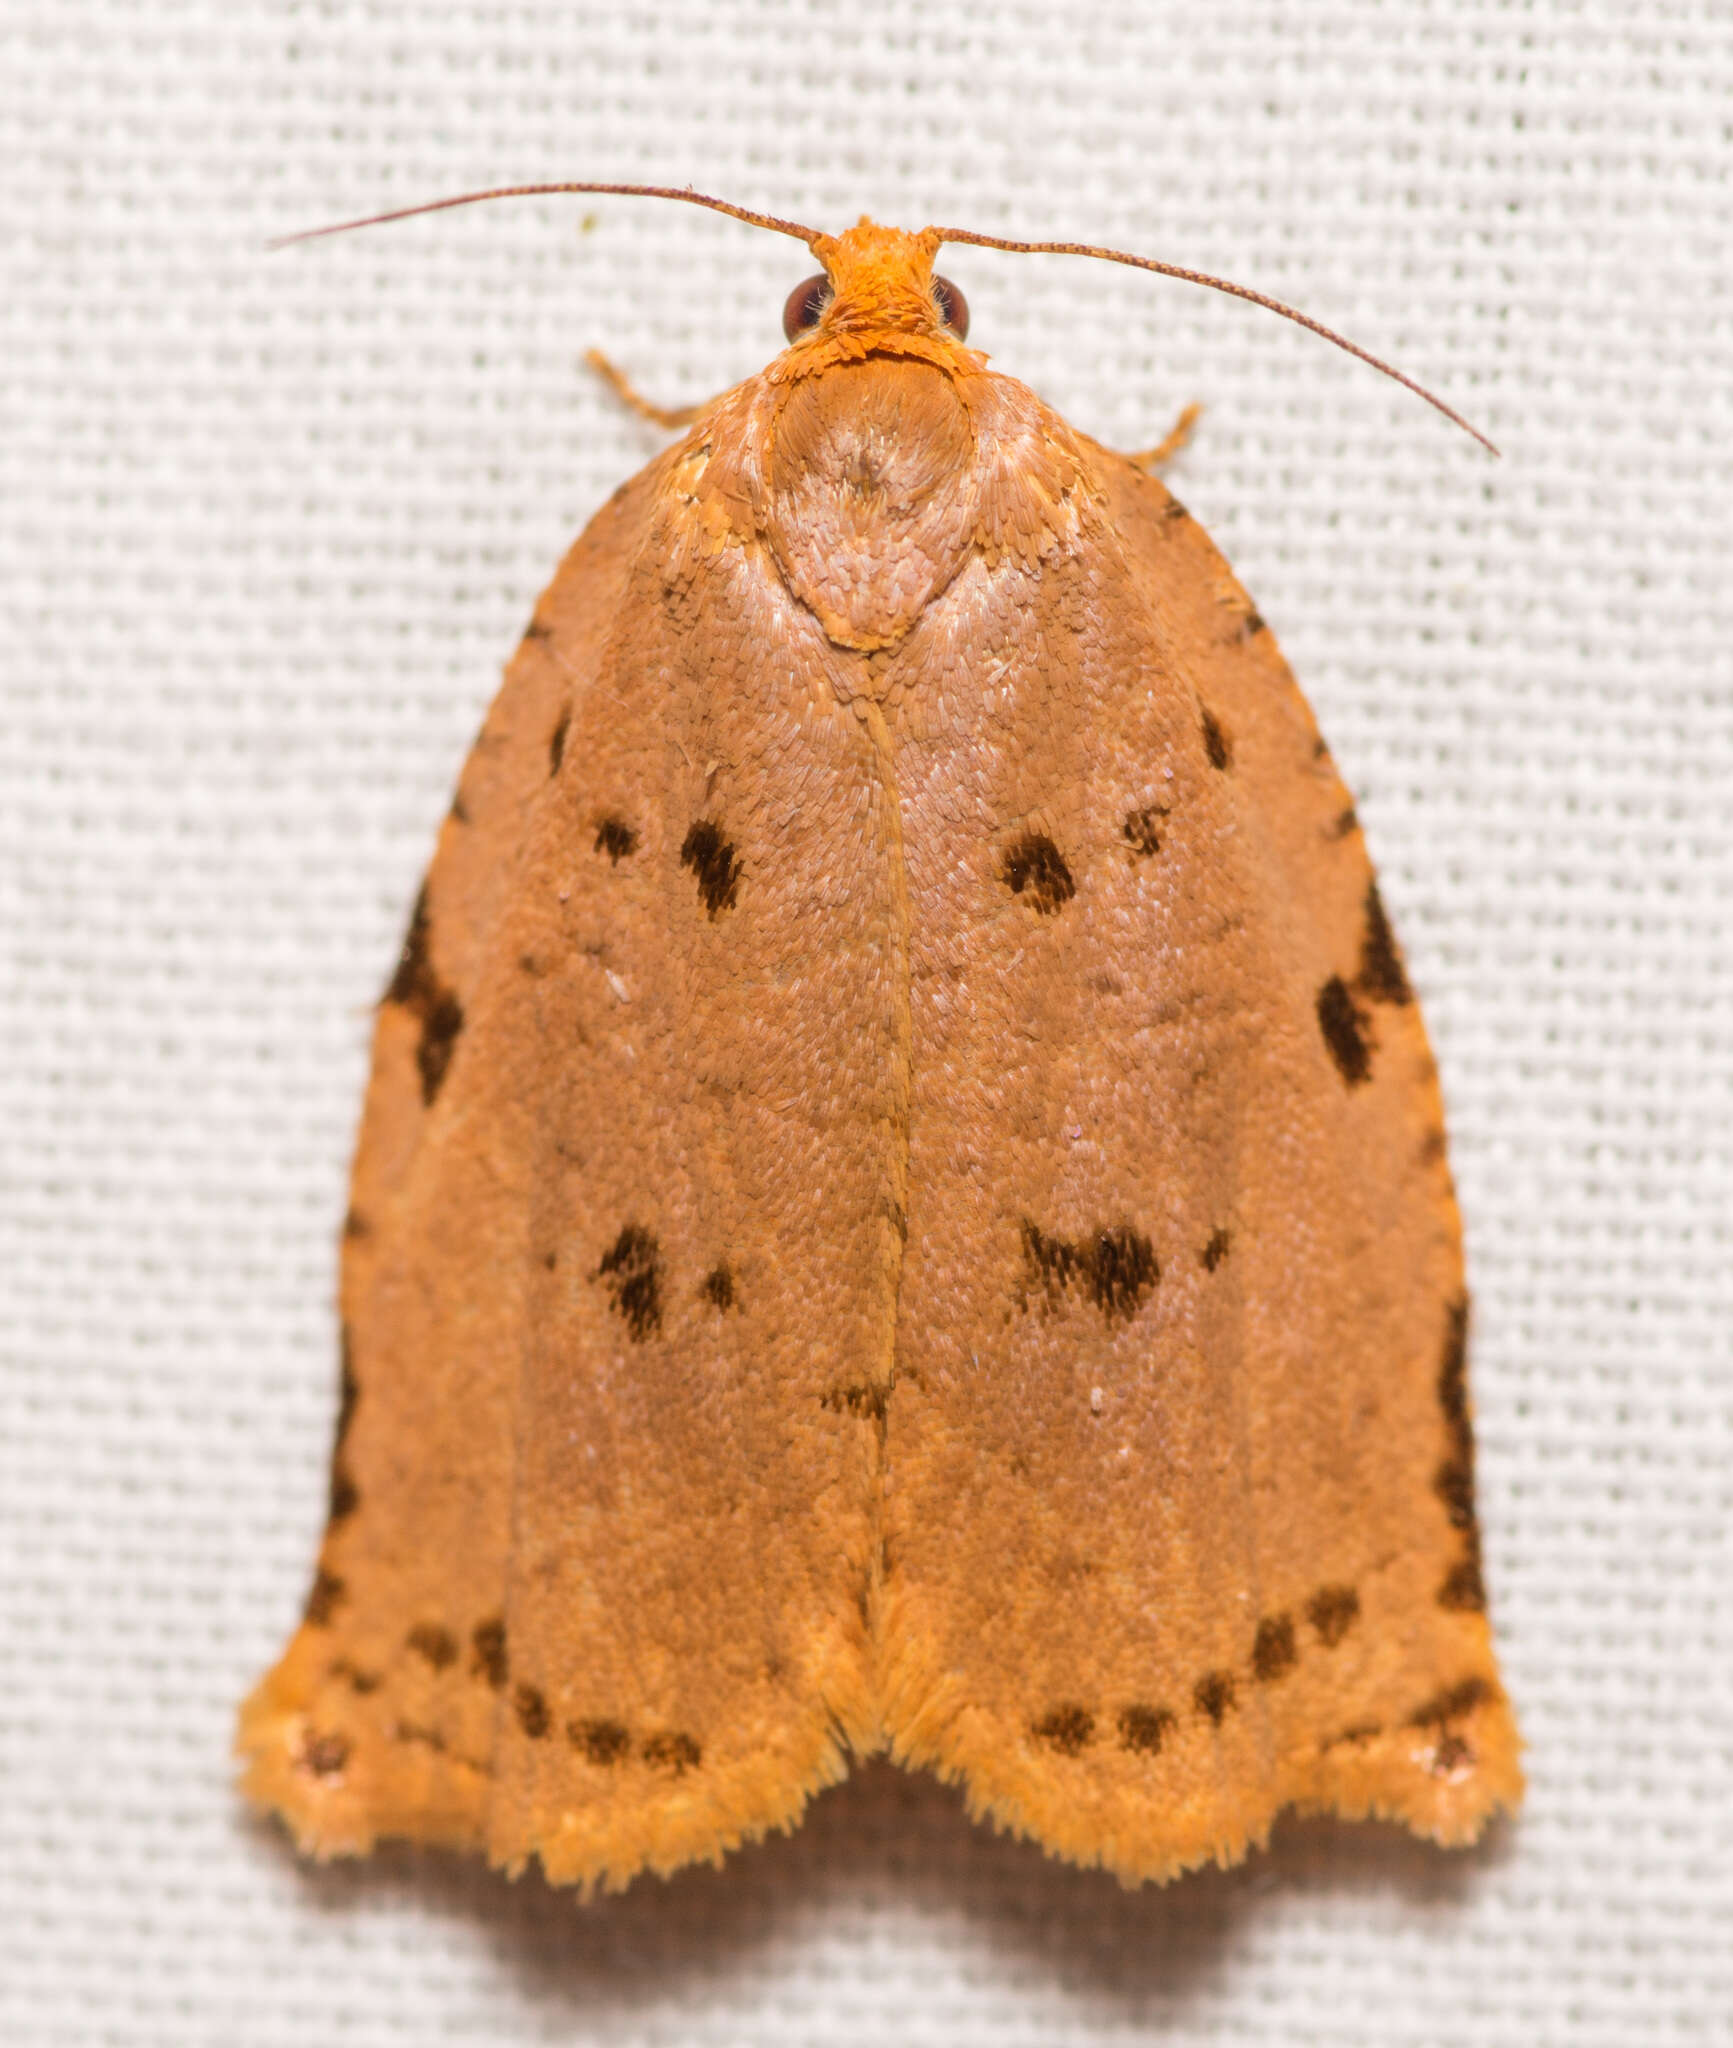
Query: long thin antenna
[810, 236]
[685, 192]
[1219, 284]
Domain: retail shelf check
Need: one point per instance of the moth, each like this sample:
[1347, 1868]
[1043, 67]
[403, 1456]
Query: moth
[902, 1204]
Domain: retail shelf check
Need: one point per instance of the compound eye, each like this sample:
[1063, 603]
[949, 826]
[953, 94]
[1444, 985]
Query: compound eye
[803, 306]
[953, 307]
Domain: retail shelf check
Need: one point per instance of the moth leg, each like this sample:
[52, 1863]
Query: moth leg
[1171, 442]
[659, 415]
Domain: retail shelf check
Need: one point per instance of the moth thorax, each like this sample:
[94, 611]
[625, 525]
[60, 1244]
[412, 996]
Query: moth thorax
[871, 508]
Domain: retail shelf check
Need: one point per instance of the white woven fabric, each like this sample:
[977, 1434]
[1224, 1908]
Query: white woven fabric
[272, 523]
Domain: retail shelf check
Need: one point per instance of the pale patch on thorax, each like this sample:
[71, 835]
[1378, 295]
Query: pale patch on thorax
[872, 484]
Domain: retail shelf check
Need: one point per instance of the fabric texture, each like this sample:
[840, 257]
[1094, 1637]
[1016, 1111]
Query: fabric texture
[273, 522]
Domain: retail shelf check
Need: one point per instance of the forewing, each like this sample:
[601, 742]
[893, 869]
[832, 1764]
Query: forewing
[1179, 1504]
[592, 1588]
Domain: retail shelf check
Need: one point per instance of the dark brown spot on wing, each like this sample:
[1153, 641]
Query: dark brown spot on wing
[1452, 1754]
[1114, 1268]
[1453, 1379]
[672, 1751]
[436, 1646]
[557, 742]
[616, 839]
[1144, 1729]
[1382, 976]
[712, 860]
[347, 1389]
[1218, 746]
[417, 987]
[345, 1496]
[489, 1658]
[328, 1594]
[1463, 1589]
[439, 1029]
[325, 1755]
[1120, 1269]
[1215, 1251]
[632, 1269]
[867, 1401]
[1333, 1611]
[718, 1289]
[1273, 1652]
[532, 1711]
[414, 972]
[602, 1742]
[1142, 830]
[1454, 1484]
[1214, 1695]
[1451, 1703]
[1068, 1729]
[1034, 867]
[1354, 1735]
[1344, 1026]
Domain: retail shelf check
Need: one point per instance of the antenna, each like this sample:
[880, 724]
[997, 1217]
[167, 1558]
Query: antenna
[1220, 284]
[685, 192]
[811, 236]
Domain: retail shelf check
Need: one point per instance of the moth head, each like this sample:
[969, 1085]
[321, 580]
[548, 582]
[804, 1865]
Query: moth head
[876, 280]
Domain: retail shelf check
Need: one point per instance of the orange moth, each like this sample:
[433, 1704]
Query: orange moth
[902, 1202]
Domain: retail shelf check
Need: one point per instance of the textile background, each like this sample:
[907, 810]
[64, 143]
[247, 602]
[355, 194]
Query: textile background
[272, 523]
